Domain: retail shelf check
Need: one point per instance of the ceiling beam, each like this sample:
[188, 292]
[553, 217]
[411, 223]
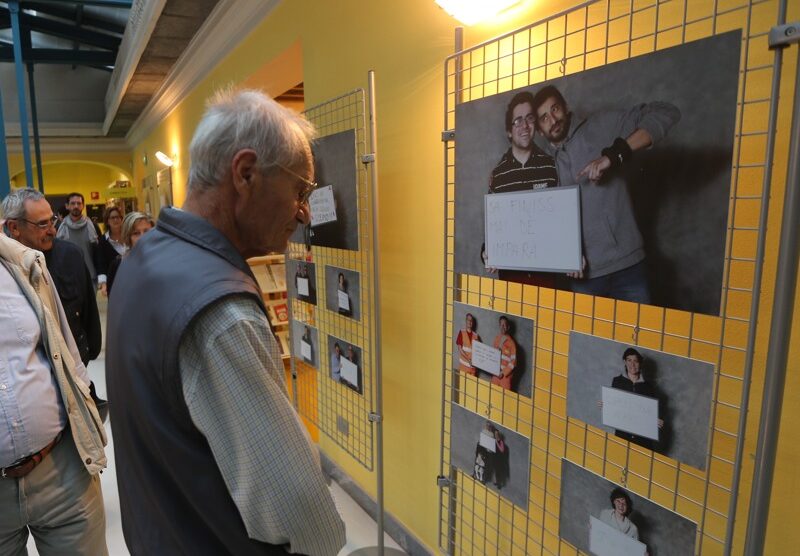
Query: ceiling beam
[69, 14]
[71, 32]
[59, 56]
[106, 3]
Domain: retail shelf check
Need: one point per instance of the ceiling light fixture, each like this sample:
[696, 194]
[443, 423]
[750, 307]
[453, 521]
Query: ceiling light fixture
[470, 12]
[164, 159]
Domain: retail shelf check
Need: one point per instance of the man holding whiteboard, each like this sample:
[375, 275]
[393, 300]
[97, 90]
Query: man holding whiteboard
[592, 153]
[523, 167]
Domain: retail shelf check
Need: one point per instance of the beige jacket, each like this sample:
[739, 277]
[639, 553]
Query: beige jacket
[29, 270]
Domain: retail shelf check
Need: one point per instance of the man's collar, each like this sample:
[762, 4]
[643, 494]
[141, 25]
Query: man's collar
[197, 230]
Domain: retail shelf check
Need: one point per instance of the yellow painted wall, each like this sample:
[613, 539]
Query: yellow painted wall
[406, 44]
[66, 176]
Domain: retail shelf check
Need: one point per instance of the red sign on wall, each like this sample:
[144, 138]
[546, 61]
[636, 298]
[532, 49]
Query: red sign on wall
[95, 195]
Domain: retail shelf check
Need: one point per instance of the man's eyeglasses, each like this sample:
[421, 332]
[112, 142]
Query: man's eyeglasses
[309, 188]
[43, 224]
[530, 119]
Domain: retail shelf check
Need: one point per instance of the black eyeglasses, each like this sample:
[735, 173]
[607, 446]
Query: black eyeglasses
[44, 224]
[530, 119]
[309, 188]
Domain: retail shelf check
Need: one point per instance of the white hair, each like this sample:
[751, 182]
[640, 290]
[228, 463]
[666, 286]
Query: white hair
[246, 119]
[14, 203]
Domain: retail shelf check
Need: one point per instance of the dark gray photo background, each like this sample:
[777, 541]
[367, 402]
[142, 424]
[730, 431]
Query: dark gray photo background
[359, 363]
[680, 187]
[335, 164]
[487, 327]
[465, 429]
[685, 387]
[353, 281]
[585, 494]
[292, 266]
[297, 334]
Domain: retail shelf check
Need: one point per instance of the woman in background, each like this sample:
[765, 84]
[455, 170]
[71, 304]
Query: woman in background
[135, 225]
[110, 245]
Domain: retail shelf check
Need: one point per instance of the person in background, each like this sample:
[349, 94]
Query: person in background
[135, 225]
[466, 336]
[336, 363]
[632, 380]
[110, 245]
[79, 230]
[617, 515]
[212, 458]
[508, 354]
[341, 286]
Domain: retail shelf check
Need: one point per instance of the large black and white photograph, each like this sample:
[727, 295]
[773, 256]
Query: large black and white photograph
[305, 343]
[493, 346]
[301, 280]
[647, 143]
[343, 291]
[653, 399]
[606, 519]
[334, 203]
[345, 363]
[492, 454]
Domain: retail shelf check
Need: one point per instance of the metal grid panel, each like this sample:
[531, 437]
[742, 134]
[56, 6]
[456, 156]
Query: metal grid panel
[339, 412]
[474, 520]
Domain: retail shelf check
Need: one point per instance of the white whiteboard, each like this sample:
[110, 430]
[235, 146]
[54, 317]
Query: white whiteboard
[534, 230]
[630, 412]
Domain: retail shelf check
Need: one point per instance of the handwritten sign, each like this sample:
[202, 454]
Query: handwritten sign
[534, 230]
[604, 540]
[487, 441]
[302, 286]
[349, 372]
[323, 206]
[486, 358]
[305, 350]
[630, 412]
[344, 301]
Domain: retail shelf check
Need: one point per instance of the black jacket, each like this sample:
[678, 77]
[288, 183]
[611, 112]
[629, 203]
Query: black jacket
[76, 291]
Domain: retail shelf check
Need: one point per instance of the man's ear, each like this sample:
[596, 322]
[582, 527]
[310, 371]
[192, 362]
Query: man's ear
[243, 169]
[12, 226]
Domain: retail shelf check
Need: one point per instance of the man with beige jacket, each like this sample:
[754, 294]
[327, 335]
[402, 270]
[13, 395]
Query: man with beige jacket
[51, 436]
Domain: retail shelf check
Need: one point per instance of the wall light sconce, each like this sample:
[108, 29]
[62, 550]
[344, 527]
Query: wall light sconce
[470, 12]
[164, 159]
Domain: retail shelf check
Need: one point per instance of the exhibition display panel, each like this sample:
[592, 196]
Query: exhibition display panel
[608, 334]
[330, 284]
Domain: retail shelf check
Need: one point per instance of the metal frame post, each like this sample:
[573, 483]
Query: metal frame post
[35, 121]
[13, 8]
[780, 327]
[5, 179]
[377, 417]
[757, 279]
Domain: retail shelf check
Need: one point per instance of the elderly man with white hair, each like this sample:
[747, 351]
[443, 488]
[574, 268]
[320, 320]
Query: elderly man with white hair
[212, 458]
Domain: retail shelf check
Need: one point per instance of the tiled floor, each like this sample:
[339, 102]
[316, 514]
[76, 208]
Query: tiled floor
[362, 532]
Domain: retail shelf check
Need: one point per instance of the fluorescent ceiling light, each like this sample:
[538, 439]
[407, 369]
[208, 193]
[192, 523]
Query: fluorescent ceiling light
[470, 12]
[164, 159]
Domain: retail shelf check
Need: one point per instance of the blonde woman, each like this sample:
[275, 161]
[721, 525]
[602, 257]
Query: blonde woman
[135, 225]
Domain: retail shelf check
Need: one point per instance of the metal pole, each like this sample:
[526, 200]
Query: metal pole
[747, 377]
[5, 179]
[450, 478]
[35, 120]
[13, 8]
[778, 347]
[376, 315]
